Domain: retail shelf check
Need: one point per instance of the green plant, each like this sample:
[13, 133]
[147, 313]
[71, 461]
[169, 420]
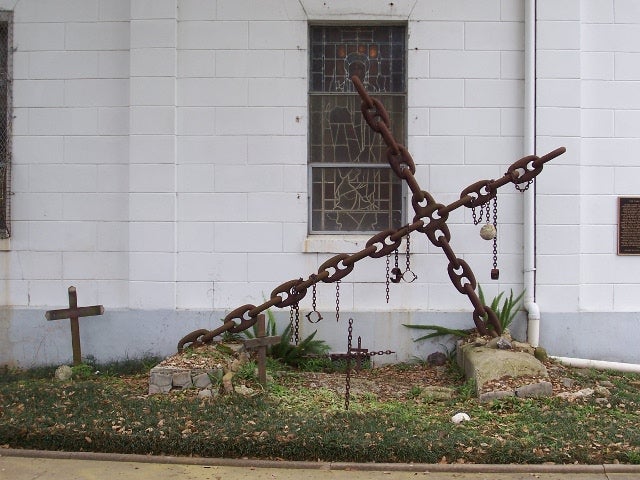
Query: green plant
[439, 331]
[82, 371]
[284, 350]
[505, 312]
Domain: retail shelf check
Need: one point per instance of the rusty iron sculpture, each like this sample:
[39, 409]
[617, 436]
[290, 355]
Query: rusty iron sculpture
[430, 218]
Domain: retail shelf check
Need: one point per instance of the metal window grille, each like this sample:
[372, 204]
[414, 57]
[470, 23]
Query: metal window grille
[352, 187]
[5, 122]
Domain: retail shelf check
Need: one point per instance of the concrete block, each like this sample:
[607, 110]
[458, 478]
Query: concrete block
[462, 64]
[113, 64]
[153, 62]
[52, 65]
[63, 178]
[248, 237]
[95, 36]
[262, 63]
[152, 91]
[96, 92]
[626, 124]
[493, 93]
[31, 149]
[96, 149]
[198, 92]
[182, 380]
[154, 266]
[561, 35]
[264, 10]
[252, 178]
[196, 120]
[113, 178]
[436, 35]
[153, 33]
[40, 36]
[112, 236]
[114, 10]
[267, 92]
[465, 121]
[249, 121]
[277, 35]
[277, 207]
[196, 10]
[437, 93]
[113, 121]
[198, 63]
[98, 265]
[143, 9]
[558, 64]
[212, 150]
[558, 121]
[197, 178]
[113, 293]
[195, 237]
[458, 10]
[512, 64]
[152, 295]
[277, 150]
[494, 36]
[597, 65]
[203, 267]
[151, 237]
[62, 11]
[62, 236]
[218, 35]
[34, 207]
[62, 121]
[152, 207]
[152, 178]
[160, 378]
[597, 122]
[212, 207]
[194, 295]
[94, 206]
[152, 149]
[153, 120]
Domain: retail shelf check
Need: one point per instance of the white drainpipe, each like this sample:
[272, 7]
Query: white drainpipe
[529, 207]
[598, 364]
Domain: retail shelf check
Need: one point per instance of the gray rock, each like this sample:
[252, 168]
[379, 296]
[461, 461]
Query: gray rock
[495, 395]
[437, 359]
[568, 382]
[63, 373]
[500, 343]
[206, 393]
[244, 390]
[182, 380]
[571, 396]
[522, 347]
[607, 383]
[601, 391]
[202, 380]
[437, 393]
[541, 354]
[539, 389]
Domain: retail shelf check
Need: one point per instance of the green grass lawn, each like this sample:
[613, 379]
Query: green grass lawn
[111, 412]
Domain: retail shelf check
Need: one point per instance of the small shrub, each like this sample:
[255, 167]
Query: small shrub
[505, 312]
[82, 371]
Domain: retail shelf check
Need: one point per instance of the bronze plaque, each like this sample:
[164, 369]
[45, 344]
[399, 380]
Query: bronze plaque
[628, 225]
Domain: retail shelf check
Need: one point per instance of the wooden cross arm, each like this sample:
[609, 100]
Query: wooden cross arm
[75, 312]
[254, 343]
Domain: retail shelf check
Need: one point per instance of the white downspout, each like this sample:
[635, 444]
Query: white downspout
[529, 206]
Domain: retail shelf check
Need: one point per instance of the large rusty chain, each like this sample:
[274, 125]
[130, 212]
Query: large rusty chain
[430, 218]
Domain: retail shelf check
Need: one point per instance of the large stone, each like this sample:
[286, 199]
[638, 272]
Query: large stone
[485, 364]
[437, 393]
[182, 380]
[539, 389]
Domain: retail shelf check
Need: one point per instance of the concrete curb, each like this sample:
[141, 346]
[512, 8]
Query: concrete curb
[386, 467]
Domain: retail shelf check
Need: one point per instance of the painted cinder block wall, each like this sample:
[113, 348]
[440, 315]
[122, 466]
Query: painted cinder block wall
[160, 166]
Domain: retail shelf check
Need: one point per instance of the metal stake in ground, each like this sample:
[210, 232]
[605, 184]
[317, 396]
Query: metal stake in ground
[73, 313]
[260, 343]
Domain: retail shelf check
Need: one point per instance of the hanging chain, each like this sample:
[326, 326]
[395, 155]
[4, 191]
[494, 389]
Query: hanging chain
[495, 273]
[294, 318]
[395, 271]
[387, 279]
[409, 276]
[525, 188]
[314, 315]
[430, 218]
[337, 300]
[347, 381]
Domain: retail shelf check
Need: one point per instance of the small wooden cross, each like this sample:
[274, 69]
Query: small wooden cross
[73, 313]
[260, 343]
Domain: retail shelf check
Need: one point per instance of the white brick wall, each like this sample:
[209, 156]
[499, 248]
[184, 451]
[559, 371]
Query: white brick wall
[160, 148]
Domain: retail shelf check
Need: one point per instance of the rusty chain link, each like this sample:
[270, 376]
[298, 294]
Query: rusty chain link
[430, 218]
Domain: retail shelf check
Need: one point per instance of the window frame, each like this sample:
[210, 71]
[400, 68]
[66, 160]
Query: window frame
[5, 196]
[383, 165]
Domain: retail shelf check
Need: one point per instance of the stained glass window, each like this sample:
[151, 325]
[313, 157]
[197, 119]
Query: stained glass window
[5, 121]
[352, 186]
